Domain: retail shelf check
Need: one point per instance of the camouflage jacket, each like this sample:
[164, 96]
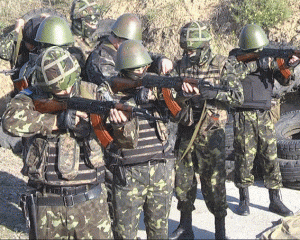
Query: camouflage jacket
[100, 65]
[214, 70]
[46, 147]
[7, 49]
[126, 135]
[7, 45]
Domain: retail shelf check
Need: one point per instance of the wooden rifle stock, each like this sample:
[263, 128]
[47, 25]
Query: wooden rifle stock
[53, 106]
[94, 108]
[281, 56]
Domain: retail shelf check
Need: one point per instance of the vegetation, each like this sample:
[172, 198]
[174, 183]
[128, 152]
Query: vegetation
[266, 13]
[162, 19]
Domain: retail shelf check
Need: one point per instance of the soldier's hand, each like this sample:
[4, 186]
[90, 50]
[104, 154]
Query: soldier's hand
[190, 89]
[166, 66]
[117, 117]
[294, 61]
[69, 119]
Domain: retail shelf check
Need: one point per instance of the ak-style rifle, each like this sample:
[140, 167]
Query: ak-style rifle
[282, 57]
[95, 108]
[165, 83]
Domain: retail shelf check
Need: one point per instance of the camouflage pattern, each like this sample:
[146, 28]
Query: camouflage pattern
[7, 46]
[80, 222]
[21, 119]
[149, 188]
[254, 133]
[207, 154]
[207, 158]
[100, 65]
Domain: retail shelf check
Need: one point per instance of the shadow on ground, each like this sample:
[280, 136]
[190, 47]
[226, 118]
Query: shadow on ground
[11, 215]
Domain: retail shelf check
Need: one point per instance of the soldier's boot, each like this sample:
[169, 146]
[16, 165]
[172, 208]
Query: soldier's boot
[220, 228]
[243, 208]
[276, 205]
[184, 229]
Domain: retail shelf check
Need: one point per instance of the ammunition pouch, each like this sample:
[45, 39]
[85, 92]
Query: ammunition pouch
[36, 159]
[68, 156]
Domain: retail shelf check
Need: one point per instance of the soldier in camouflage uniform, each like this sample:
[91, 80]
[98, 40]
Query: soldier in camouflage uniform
[85, 16]
[27, 45]
[207, 107]
[100, 65]
[64, 162]
[254, 131]
[140, 153]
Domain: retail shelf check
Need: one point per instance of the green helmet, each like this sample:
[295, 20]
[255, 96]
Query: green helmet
[55, 31]
[194, 35]
[253, 37]
[56, 70]
[131, 55]
[85, 16]
[128, 26]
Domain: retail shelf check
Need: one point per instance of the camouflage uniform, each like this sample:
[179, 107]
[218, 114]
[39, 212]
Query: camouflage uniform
[65, 168]
[254, 133]
[142, 151]
[207, 153]
[100, 65]
[8, 44]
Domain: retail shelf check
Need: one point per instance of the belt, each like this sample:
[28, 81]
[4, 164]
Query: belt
[151, 162]
[250, 109]
[67, 190]
[70, 200]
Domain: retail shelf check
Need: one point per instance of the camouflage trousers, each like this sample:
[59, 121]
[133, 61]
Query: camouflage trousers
[254, 134]
[86, 220]
[149, 188]
[206, 157]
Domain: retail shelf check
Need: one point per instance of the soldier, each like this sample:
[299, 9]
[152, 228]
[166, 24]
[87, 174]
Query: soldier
[100, 64]
[201, 137]
[254, 131]
[26, 45]
[64, 163]
[85, 16]
[140, 152]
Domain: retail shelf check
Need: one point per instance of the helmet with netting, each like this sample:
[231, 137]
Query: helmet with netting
[128, 26]
[54, 31]
[85, 16]
[56, 70]
[194, 35]
[252, 37]
[132, 55]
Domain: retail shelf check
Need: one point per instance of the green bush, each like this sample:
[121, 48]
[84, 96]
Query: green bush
[266, 13]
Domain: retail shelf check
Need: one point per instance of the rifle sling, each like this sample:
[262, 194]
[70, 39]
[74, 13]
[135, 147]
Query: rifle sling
[197, 127]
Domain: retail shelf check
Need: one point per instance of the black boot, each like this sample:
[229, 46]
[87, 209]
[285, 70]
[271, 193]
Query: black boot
[184, 229]
[243, 208]
[276, 205]
[220, 228]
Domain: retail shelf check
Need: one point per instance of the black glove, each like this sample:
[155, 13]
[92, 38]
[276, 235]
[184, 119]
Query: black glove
[208, 93]
[264, 63]
[141, 96]
[66, 119]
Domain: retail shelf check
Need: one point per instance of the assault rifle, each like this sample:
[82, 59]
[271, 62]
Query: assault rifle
[95, 108]
[165, 83]
[282, 57]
